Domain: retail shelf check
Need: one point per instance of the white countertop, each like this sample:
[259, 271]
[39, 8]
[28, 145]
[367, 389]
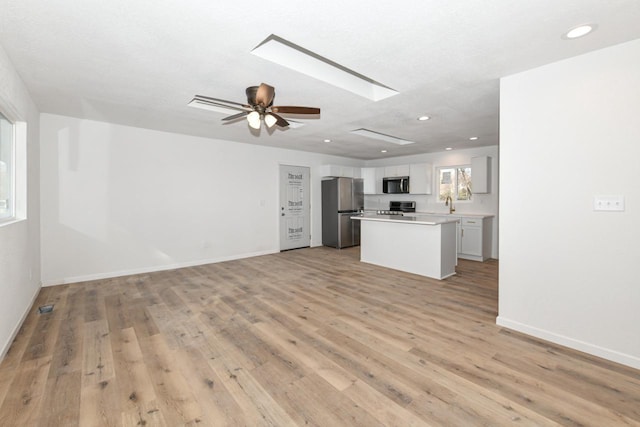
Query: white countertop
[454, 214]
[408, 218]
[457, 215]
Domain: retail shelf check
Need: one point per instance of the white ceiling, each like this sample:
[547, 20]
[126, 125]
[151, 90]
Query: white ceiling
[139, 62]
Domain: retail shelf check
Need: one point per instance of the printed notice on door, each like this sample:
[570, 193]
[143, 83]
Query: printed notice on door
[295, 227]
[295, 206]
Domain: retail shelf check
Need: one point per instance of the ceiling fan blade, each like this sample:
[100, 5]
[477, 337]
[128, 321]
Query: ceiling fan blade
[265, 95]
[221, 103]
[251, 92]
[280, 121]
[295, 110]
[236, 116]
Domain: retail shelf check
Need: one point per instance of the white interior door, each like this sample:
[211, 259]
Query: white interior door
[295, 203]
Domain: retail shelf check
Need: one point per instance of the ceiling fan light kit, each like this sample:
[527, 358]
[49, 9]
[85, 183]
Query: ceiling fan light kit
[254, 119]
[269, 120]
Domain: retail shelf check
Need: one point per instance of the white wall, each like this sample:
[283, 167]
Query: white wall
[479, 203]
[571, 130]
[19, 240]
[118, 200]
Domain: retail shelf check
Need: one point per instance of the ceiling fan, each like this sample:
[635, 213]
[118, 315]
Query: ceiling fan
[259, 107]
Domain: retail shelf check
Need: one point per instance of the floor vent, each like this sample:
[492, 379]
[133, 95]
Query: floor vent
[45, 309]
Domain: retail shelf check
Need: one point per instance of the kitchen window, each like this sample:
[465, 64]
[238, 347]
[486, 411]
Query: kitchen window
[454, 181]
[7, 169]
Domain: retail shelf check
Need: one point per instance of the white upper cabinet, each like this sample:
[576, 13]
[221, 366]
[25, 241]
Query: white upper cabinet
[369, 177]
[481, 174]
[373, 180]
[397, 170]
[420, 178]
[378, 179]
[328, 170]
[338, 170]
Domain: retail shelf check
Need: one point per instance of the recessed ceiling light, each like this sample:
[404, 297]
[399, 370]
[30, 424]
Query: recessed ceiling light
[448, 148]
[423, 118]
[579, 31]
[297, 58]
[383, 151]
[473, 138]
[327, 140]
[381, 136]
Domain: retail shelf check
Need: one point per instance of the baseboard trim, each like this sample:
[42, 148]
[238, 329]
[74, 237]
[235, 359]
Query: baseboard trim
[151, 269]
[16, 329]
[595, 350]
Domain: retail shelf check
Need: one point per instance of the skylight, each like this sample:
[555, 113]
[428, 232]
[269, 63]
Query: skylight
[381, 136]
[297, 58]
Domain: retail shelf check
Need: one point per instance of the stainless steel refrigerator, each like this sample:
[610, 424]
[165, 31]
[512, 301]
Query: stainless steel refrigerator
[341, 199]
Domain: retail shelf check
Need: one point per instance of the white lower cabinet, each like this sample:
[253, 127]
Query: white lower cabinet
[474, 238]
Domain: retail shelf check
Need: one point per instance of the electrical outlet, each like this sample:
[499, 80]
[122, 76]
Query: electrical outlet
[608, 203]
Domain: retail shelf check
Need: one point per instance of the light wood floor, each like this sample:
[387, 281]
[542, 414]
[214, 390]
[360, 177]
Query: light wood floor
[306, 337]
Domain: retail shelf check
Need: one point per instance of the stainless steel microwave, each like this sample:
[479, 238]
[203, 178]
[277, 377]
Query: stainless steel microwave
[395, 185]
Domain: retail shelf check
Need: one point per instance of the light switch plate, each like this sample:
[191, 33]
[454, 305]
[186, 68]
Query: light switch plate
[608, 203]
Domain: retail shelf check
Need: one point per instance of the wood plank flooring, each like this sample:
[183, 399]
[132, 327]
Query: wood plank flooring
[305, 337]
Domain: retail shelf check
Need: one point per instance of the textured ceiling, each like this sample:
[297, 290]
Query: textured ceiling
[139, 62]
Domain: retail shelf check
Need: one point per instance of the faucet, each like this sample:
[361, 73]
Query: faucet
[446, 203]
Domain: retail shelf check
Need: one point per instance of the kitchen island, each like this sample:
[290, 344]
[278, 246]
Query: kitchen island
[424, 245]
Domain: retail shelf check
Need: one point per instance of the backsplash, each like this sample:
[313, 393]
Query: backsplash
[429, 203]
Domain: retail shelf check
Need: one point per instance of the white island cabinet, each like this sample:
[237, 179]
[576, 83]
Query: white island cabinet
[424, 246]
